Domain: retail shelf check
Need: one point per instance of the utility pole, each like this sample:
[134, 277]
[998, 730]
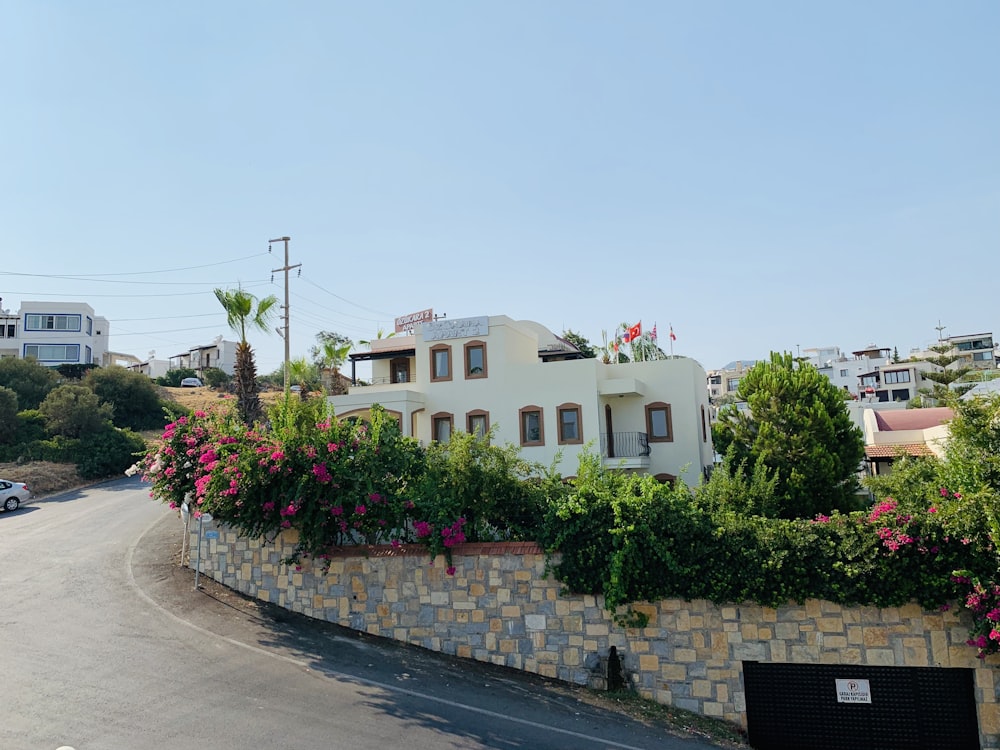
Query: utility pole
[284, 334]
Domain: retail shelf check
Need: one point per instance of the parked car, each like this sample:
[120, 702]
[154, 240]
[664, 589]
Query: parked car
[12, 494]
[191, 383]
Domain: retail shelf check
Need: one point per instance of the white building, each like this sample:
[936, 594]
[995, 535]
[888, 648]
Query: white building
[539, 393]
[220, 354]
[54, 333]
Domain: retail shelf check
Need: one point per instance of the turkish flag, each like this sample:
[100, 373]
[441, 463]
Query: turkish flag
[635, 331]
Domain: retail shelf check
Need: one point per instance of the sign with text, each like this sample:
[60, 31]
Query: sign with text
[407, 322]
[458, 328]
[854, 691]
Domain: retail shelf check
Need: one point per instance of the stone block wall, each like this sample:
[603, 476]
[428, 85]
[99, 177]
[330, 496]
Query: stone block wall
[500, 608]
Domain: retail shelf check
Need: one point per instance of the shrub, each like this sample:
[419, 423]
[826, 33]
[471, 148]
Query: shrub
[28, 379]
[215, 377]
[133, 397]
[74, 410]
[8, 416]
[108, 453]
[173, 378]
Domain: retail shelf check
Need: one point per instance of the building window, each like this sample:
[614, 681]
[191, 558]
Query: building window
[659, 425]
[900, 394]
[704, 426]
[475, 359]
[9, 328]
[843, 373]
[90, 325]
[532, 425]
[399, 369]
[53, 352]
[715, 380]
[36, 322]
[570, 427]
[440, 363]
[442, 423]
[88, 355]
[732, 384]
[896, 376]
[477, 423]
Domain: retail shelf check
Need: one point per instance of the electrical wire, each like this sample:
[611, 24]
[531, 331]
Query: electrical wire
[78, 277]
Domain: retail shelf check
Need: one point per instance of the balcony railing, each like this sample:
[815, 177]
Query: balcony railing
[399, 379]
[624, 444]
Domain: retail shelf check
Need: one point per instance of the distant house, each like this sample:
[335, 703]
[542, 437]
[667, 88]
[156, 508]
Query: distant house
[220, 354]
[539, 393]
[890, 434]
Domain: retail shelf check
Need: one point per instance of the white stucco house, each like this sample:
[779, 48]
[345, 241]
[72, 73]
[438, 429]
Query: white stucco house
[220, 354]
[55, 333]
[539, 393]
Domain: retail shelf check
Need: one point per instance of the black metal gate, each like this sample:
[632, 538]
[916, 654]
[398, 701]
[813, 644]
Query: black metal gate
[811, 707]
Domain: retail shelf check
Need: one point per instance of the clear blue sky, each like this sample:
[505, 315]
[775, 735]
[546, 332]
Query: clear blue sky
[760, 175]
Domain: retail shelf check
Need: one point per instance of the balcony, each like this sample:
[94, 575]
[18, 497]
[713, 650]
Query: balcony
[625, 450]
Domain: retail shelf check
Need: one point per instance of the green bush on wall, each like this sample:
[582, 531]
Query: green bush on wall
[625, 537]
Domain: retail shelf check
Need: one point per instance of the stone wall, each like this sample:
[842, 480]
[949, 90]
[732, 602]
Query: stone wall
[499, 607]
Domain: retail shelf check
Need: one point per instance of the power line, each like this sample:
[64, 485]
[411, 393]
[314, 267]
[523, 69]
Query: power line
[253, 285]
[133, 273]
[343, 299]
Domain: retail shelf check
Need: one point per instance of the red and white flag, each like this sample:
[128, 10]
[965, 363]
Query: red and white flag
[634, 332]
[672, 337]
[653, 334]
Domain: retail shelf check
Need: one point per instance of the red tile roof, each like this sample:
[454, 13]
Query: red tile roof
[891, 451]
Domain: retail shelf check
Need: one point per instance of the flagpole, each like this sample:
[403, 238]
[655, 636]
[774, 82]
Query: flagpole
[671, 340]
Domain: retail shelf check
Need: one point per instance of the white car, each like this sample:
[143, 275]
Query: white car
[191, 383]
[12, 494]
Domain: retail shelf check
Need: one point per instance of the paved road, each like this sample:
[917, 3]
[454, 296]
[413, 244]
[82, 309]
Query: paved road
[106, 645]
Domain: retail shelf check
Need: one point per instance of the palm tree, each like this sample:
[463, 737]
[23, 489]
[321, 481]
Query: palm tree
[330, 354]
[243, 310]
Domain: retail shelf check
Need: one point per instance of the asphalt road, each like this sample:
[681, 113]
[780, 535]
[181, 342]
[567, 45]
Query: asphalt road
[105, 644]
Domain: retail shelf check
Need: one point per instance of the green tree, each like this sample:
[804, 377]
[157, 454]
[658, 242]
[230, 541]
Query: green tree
[243, 311]
[942, 393]
[329, 354]
[28, 379]
[586, 348]
[797, 426]
[74, 411]
[8, 416]
[132, 395]
[303, 373]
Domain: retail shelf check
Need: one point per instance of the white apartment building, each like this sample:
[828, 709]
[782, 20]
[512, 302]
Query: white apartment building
[220, 354]
[54, 333]
[539, 393]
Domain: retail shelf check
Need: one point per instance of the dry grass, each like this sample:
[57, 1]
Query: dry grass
[204, 398]
[44, 477]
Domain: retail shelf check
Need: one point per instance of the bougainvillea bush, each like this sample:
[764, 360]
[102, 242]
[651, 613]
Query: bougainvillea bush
[341, 482]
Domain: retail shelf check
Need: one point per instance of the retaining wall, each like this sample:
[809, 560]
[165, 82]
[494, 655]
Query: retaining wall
[500, 608]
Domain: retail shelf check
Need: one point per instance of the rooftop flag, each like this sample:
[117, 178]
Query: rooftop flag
[672, 336]
[634, 332]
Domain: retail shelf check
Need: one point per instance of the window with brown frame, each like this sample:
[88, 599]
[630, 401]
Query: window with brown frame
[477, 423]
[570, 424]
[475, 360]
[531, 420]
[659, 425]
[440, 363]
[399, 369]
[442, 425]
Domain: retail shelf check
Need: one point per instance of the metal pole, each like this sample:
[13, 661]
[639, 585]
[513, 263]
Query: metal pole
[286, 268]
[197, 557]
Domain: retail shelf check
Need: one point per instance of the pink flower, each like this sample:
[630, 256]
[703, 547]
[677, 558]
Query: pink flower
[360, 510]
[932, 509]
[451, 571]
